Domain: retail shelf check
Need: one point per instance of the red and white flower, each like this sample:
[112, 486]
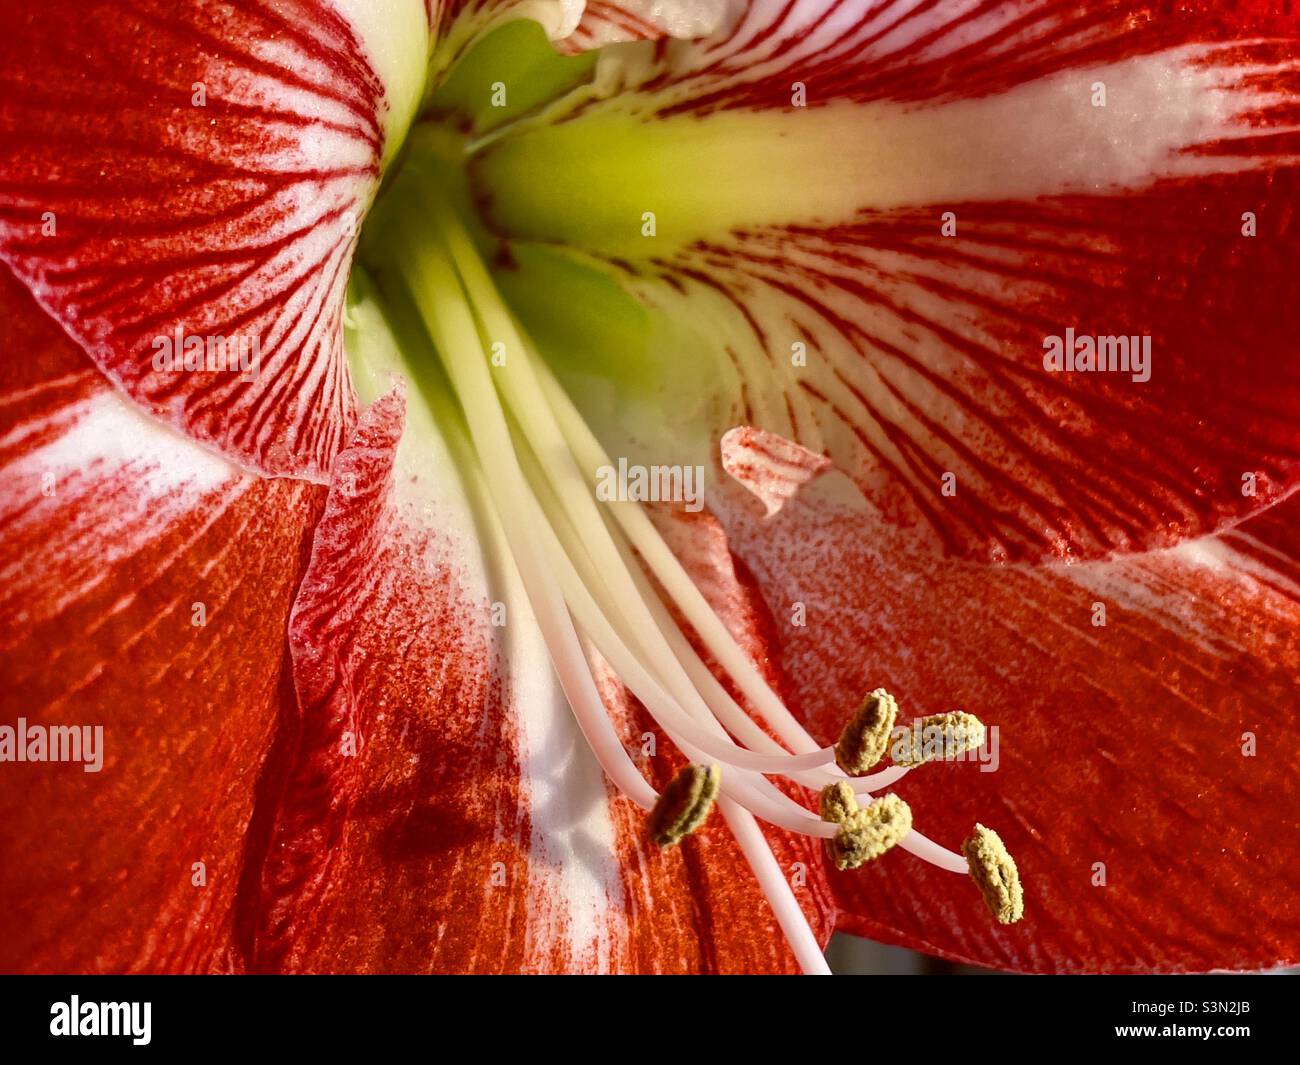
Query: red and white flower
[334, 610]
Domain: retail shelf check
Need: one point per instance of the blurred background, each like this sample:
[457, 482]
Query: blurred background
[851, 956]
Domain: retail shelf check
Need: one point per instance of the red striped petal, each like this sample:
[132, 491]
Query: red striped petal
[183, 169]
[145, 588]
[876, 275]
[1145, 714]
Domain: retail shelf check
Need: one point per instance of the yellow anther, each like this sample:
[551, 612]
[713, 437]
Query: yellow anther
[865, 738]
[994, 870]
[938, 737]
[869, 832]
[839, 803]
[684, 804]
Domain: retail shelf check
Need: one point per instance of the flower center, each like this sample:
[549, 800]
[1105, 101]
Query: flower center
[597, 570]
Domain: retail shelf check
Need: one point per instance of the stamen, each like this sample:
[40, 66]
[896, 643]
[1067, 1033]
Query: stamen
[865, 738]
[938, 737]
[684, 804]
[585, 569]
[868, 833]
[994, 870]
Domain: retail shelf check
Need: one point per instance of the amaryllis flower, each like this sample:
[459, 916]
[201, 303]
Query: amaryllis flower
[510, 487]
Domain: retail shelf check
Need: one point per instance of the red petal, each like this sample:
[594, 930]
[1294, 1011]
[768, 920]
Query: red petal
[132, 213]
[472, 831]
[918, 355]
[111, 529]
[1120, 747]
[399, 790]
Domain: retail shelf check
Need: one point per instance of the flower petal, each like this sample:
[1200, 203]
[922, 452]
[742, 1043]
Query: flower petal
[440, 811]
[145, 585]
[197, 171]
[1145, 735]
[877, 275]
